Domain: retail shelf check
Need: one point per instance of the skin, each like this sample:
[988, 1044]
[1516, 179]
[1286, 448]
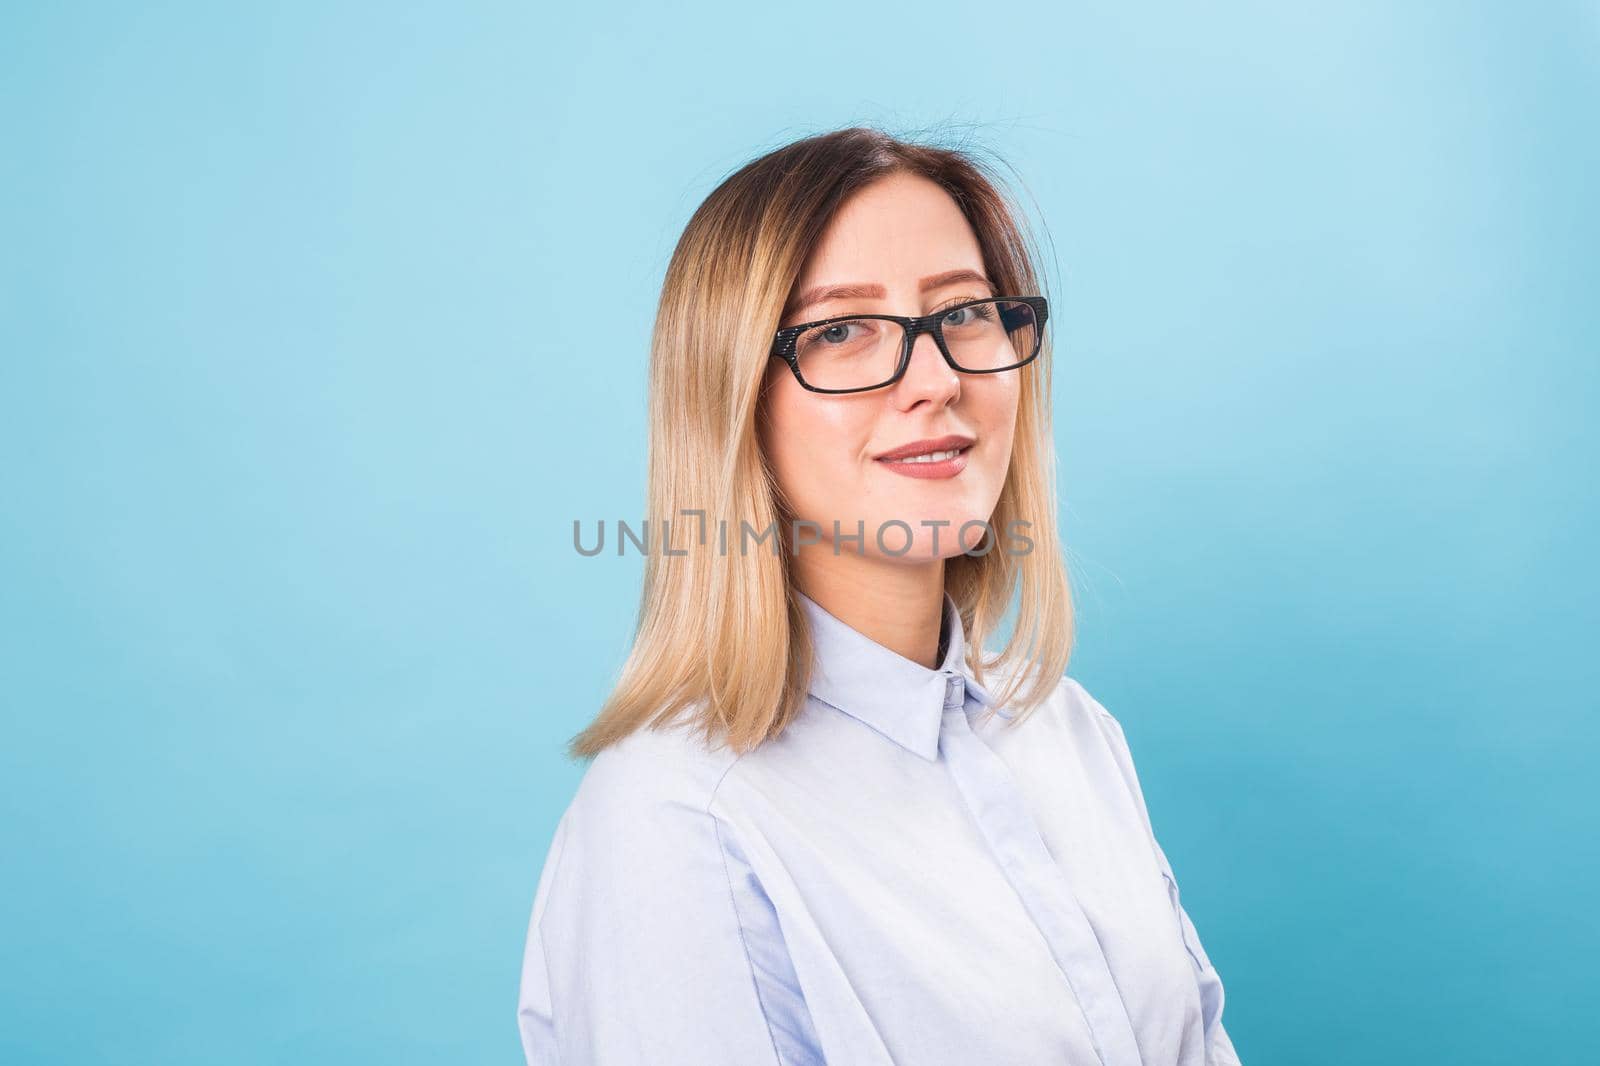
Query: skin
[822, 448]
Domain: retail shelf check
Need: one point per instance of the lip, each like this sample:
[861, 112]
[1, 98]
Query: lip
[896, 460]
[923, 447]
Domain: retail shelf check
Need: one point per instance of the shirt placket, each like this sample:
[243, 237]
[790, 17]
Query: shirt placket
[996, 804]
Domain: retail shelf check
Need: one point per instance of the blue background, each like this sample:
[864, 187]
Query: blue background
[320, 324]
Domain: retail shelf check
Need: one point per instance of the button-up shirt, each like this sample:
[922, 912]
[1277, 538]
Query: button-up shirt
[897, 877]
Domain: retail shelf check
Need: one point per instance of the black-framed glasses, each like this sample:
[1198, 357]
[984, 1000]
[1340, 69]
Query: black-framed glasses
[858, 353]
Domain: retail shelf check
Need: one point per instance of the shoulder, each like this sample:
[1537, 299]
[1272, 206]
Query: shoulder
[1072, 717]
[640, 825]
[652, 784]
[1110, 735]
[1079, 703]
[1077, 700]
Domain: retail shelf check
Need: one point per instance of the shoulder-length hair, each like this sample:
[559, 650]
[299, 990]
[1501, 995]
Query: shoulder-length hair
[721, 639]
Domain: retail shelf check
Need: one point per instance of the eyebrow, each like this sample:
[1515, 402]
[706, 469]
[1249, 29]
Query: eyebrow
[870, 291]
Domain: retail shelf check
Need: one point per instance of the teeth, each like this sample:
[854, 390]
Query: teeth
[931, 457]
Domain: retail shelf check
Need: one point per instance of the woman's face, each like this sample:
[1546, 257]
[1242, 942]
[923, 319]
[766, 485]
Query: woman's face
[904, 244]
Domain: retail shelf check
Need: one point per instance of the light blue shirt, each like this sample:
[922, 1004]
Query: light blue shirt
[893, 879]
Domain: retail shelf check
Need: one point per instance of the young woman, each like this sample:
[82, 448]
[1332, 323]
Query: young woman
[822, 822]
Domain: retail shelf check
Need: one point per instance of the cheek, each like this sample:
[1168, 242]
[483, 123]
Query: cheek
[994, 411]
[813, 443]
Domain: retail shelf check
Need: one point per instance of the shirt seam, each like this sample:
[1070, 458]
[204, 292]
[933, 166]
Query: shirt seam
[733, 906]
[1107, 717]
[1169, 879]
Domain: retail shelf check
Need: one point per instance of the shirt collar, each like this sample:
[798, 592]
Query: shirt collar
[903, 700]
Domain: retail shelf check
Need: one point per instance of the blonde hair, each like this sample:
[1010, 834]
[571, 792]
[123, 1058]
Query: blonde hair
[721, 637]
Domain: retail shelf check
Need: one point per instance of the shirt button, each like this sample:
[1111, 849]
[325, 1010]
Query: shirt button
[955, 692]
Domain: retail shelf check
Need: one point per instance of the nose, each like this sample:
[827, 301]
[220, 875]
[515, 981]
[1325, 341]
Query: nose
[928, 378]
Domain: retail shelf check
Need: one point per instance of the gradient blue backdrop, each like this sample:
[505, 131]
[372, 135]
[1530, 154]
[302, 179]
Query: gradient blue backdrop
[319, 324]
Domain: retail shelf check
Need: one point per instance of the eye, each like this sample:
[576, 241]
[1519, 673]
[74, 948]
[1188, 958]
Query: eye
[847, 337]
[961, 316]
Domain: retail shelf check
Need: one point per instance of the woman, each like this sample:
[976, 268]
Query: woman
[819, 825]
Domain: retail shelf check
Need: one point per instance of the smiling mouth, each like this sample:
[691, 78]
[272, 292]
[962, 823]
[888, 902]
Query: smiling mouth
[939, 464]
[931, 457]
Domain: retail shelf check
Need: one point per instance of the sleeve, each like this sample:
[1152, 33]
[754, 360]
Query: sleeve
[1219, 1047]
[634, 953]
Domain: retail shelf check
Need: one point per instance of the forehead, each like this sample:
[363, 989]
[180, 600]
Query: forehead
[893, 232]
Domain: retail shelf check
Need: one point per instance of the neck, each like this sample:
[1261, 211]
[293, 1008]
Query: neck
[900, 605]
